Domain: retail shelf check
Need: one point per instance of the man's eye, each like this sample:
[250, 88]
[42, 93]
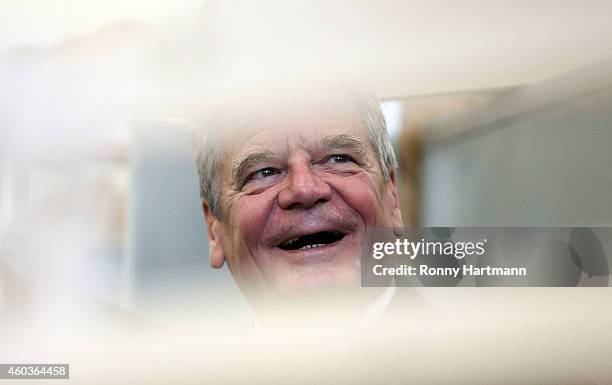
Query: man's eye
[340, 158]
[265, 172]
[262, 178]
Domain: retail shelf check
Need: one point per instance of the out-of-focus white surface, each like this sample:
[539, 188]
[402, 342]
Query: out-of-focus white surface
[49, 23]
[401, 47]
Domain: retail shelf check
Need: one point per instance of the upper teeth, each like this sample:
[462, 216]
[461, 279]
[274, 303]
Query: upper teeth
[290, 241]
[311, 246]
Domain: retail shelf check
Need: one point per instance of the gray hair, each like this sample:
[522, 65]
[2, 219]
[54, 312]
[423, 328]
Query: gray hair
[208, 151]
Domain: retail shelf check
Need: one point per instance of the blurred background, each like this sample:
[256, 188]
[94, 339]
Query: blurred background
[499, 112]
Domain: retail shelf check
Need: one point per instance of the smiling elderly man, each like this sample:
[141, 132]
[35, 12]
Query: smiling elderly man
[293, 187]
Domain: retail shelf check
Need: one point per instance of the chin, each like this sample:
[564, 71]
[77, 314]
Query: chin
[320, 281]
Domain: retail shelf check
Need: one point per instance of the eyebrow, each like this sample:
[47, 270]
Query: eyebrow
[345, 141]
[242, 165]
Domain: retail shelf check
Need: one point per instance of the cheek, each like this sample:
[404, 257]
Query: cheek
[253, 212]
[359, 192]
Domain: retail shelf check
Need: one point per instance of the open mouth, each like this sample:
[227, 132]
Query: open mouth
[310, 241]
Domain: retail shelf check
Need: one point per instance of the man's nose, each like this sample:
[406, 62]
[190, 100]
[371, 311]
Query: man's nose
[304, 189]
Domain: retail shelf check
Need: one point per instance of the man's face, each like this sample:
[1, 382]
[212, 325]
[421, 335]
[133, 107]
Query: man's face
[301, 193]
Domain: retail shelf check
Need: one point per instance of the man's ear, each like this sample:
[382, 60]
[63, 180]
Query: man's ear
[215, 232]
[393, 203]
